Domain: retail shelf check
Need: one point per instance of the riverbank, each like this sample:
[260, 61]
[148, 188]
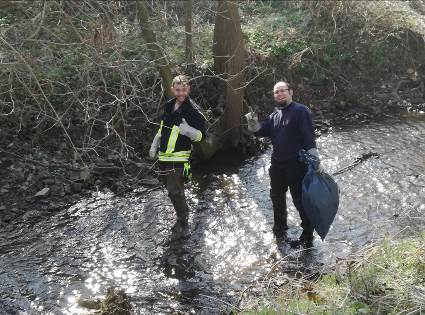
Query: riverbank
[382, 278]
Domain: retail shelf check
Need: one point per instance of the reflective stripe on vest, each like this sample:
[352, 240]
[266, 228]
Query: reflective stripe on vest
[169, 155]
[181, 156]
[172, 140]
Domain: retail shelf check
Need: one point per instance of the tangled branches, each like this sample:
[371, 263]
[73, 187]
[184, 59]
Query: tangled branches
[76, 72]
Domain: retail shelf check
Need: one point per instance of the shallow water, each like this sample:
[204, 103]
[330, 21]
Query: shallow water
[105, 240]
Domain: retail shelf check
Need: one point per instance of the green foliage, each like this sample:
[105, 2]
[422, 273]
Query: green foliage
[86, 57]
[67, 70]
[273, 14]
[6, 19]
[173, 43]
[383, 281]
[344, 43]
[132, 49]
[250, 9]
[276, 32]
[202, 46]
[274, 45]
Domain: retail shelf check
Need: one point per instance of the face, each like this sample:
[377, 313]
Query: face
[282, 95]
[180, 91]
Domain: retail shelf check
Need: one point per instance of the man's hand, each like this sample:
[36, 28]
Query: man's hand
[315, 153]
[188, 131]
[154, 146]
[253, 124]
[319, 167]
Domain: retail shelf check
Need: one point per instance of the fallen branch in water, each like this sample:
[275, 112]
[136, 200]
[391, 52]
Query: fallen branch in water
[364, 157]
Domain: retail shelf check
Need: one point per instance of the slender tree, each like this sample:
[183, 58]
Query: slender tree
[188, 29]
[154, 49]
[229, 61]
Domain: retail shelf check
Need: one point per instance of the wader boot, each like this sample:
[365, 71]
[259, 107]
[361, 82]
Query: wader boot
[280, 214]
[278, 196]
[181, 208]
[306, 238]
[175, 188]
[181, 227]
[284, 175]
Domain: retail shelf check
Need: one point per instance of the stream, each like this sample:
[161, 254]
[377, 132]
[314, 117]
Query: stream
[48, 263]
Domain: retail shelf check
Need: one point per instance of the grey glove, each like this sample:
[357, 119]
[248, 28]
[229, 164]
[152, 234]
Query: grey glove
[154, 146]
[253, 124]
[315, 153]
[190, 132]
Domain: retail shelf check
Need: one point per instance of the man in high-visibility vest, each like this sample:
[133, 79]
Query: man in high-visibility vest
[181, 124]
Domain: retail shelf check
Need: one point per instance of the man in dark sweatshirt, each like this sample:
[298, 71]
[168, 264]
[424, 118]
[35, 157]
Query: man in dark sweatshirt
[290, 129]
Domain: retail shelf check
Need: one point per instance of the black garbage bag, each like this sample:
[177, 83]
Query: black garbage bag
[320, 196]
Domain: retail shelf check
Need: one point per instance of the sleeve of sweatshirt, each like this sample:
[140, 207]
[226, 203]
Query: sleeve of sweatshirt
[265, 129]
[306, 129]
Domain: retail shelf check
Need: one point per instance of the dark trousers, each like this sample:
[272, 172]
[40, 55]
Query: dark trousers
[283, 175]
[172, 176]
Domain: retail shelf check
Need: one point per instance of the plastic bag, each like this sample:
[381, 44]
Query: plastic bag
[320, 196]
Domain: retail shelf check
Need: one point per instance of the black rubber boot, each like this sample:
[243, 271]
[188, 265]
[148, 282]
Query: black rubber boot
[280, 232]
[280, 214]
[181, 208]
[180, 231]
[175, 187]
[305, 240]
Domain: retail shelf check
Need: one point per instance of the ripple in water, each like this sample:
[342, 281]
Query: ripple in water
[107, 240]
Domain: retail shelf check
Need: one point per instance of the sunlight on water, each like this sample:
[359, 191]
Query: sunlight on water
[127, 241]
[105, 270]
[228, 242]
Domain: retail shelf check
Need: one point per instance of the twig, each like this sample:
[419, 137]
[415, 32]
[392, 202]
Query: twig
[41, 89]
[219, 300]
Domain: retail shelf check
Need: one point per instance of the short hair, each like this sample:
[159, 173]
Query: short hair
[286, 82]
[180, 79]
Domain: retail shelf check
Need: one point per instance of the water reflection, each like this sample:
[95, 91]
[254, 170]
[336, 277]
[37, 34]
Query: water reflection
[105, 269]
[130, 243]
[178, 263]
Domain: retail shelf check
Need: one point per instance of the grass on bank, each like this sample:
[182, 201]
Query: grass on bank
[388, 278]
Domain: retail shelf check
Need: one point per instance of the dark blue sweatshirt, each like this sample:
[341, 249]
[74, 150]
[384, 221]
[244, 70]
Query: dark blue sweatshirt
[290, 129]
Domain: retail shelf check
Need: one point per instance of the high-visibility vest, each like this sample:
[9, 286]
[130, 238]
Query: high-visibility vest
[176, 147]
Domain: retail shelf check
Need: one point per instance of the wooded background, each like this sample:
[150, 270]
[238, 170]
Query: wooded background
[87, 79]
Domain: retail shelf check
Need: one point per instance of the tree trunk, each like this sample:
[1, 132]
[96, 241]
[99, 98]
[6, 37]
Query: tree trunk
[188, 28]
[154, 49]
[229, 61]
